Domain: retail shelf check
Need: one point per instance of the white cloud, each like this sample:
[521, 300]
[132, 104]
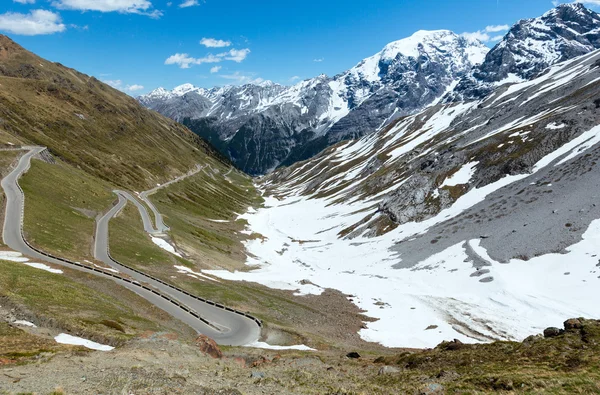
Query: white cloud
[214, 43]
[318, 60]
[24, 1]
[215, 69]
[134, 88]
[483, 35]
[117, 84]
[189, 3]
[295, 78]
[143, 7]
[185, 61]
[496, 28]
[37, 22]
[236, 55]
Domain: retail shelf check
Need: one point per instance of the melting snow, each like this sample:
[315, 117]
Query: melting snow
[165, 245]
[270, 347]
[304, 253]
[12, 256]
[191, 273]
[25, 323]
[43, 267]
[462, 176]
[63, 338]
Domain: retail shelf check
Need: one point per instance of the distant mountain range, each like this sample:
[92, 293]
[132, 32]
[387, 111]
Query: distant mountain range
[263, 126]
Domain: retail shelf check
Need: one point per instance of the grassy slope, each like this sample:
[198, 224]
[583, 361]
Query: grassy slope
[89, 124]
[188, 207]
[76, 302]
[61, 204]
[81, 303]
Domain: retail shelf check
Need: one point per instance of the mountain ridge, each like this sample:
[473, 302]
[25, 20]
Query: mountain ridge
[409, 74]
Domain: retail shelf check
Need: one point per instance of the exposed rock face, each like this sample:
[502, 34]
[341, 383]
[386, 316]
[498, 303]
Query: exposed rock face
[530, 47]
[260, 126]
[209, 346]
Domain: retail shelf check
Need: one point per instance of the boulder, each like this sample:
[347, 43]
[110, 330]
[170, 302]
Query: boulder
[209, 346]
[574, 324]
[552, 332]
[451, 346]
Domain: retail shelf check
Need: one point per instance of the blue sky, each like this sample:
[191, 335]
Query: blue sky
[139, 45]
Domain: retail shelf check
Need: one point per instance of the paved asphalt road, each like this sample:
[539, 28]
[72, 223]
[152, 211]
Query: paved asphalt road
[234, 329]
[161, 227]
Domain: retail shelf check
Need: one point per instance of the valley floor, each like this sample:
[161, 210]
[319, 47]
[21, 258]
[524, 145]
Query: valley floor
[426, 282]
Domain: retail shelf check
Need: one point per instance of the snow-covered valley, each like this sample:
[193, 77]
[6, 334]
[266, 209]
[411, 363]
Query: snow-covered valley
[456, 262]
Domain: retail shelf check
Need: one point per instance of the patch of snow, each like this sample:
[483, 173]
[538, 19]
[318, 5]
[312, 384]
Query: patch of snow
[270, 347]
[188, 271]
[41, 266]
[555, 125]
[12, 256]
[462, 176]
[165, 245]
[25, 323]
[63, 338]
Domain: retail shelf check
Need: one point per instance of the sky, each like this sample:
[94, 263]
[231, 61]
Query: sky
[139, 45]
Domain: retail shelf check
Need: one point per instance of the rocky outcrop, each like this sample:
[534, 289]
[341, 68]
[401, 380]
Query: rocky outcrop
[208, 346]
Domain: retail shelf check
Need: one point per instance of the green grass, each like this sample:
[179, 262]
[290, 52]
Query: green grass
[16, 344]
[130, 245]
[188, 207]
[54, 198]
[80, 302]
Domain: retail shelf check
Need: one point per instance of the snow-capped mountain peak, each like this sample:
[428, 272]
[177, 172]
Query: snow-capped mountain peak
[183, 89]
[531, 46]
[410, 74]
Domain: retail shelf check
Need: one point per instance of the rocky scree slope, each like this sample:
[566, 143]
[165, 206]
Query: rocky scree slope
[91, 125]
[261, 126]
[530, 47]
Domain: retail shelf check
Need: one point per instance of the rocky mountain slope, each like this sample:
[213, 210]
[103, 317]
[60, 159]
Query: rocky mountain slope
[477, 220]
[262, 126]
[531, 45]
[89, 124]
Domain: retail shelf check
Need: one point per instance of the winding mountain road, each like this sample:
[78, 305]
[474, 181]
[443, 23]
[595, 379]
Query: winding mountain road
[224, 325]
[161, 227]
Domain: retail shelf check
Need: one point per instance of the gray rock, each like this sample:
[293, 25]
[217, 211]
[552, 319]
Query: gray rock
[257, 375]
[552, 332]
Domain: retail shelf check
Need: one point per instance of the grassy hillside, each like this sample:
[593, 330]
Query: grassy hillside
[89, 124]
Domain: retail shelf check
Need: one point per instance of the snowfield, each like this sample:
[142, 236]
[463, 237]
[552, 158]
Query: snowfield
[440, 293]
